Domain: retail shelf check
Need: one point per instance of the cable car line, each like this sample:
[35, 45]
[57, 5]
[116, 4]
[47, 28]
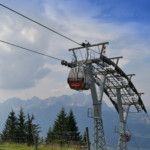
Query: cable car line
[39, 24]
[33, 51]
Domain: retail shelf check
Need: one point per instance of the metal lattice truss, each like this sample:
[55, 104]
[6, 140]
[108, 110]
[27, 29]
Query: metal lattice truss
[116, 78]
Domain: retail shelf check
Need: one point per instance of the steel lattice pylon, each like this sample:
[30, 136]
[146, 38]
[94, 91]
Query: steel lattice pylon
[106, 74]
[99, 138]
[98, 135]
[123, 117]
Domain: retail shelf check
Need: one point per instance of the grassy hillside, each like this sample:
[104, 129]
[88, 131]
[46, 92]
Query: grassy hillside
[46, 147]
[40, 147]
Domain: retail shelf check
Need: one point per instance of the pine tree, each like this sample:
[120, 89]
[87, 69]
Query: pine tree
[64, 129]
[21, 130]
[35, 132]
[32, 130]
[60, 127]
[29, 136]
[73, 132]
[10, 130]
[49, 137]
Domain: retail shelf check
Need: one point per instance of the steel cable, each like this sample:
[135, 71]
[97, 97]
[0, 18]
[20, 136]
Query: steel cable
[39, 24]
[33, 51]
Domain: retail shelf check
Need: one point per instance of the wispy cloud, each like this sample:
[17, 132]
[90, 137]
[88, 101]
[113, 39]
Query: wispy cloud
[79, 20]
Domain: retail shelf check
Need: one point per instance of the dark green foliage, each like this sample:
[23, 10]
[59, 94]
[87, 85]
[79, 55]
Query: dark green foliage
[32, 131]
[29, 136]
[9, 132]
[20, 130]
[49, 137]
[64, 130]
[60, 122]
[73, 133]
[60, 127]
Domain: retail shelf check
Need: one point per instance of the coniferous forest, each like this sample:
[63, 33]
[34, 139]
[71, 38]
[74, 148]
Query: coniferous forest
[21, 129]
[64, 130]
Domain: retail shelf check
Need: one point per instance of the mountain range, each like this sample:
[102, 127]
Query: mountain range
[46, 110]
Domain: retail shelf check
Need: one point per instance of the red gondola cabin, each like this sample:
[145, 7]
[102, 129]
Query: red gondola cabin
[79, 79]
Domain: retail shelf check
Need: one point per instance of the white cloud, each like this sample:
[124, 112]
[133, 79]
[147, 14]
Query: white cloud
[57, 68]
[44, 88]
[29, 34]
[123, 62]
[31, 71]
[5, 31]
[5, 48]
[20, 69]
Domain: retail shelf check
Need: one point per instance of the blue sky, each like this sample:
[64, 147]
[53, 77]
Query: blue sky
[125, 11]
[125, 24]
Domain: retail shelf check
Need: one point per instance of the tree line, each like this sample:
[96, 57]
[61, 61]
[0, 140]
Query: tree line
[64, 130]
[21, 129]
